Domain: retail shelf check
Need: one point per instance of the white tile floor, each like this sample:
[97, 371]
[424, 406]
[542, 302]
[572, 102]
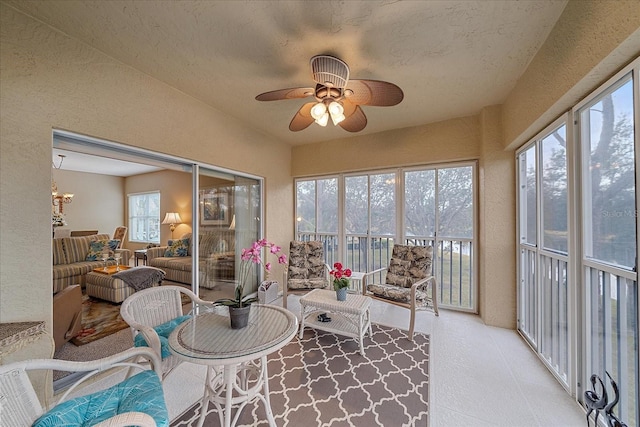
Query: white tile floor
[480, 375]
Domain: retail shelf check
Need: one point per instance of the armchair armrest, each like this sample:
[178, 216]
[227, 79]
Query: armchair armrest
[365, 277]
[67, 314]
[156, 252]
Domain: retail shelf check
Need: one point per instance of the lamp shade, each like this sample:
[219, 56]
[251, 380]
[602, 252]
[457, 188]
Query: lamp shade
[172, 218]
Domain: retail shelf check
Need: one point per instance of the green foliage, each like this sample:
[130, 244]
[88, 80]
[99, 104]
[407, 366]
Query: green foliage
[340, 283]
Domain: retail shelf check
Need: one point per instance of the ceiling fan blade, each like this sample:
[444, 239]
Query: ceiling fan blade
[355, 119]
[373, 92]
[303, 118]
[293, 93]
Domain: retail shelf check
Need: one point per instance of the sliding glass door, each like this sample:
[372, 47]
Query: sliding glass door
[220, 210]
[543, 305]
[360, 216]
[578, 239]
[609, 259]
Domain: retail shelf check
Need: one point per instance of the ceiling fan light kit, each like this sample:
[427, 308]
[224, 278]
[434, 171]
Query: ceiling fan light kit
[336, 96]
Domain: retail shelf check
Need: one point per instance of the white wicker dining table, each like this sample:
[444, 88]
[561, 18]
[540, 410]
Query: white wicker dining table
[236, 359]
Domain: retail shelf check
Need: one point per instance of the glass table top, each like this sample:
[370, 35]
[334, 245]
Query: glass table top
[209, 335]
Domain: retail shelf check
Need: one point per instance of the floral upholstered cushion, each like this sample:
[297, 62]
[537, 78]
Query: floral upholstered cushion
[178, 247]
[97, 248]
[409, 264]
[400, 294]
[307, 269]
[140, 393]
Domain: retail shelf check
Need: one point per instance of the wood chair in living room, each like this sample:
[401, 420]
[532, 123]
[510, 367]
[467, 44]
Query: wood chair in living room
[306, 270]
[119, 234]
[408, 282]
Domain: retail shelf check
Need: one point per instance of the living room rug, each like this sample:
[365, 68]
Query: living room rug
[322, 380]
[102, 318]
[99, 319]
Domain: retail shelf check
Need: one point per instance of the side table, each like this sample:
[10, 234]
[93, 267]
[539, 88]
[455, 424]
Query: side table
[140, 254]
[236, 359]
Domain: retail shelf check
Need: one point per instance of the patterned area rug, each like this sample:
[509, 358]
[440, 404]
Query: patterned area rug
[322, 380]
[99, 319]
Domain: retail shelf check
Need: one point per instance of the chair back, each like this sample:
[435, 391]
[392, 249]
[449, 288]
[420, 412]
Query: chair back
[80, 233]
[119, 234]
[307, 269]
[61, 232]
[409, 264]
[19, 404]
[153, 306]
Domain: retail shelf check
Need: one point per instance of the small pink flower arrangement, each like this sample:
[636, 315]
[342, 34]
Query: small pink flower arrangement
[248, 258]
[340, 276]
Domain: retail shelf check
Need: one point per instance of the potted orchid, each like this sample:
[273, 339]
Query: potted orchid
[239, 305]
[340, 280]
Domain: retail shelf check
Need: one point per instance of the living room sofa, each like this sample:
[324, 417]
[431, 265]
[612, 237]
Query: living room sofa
[70, 265]
[217, 257]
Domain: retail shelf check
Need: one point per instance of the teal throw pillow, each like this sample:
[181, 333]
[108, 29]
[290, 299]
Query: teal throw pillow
[178, 248]
[163, 331]
[98, 247]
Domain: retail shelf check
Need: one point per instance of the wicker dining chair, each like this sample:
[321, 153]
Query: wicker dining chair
[154, 313]
[136, 401]
[408, 282]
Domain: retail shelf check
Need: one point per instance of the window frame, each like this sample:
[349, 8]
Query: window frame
[146, 217]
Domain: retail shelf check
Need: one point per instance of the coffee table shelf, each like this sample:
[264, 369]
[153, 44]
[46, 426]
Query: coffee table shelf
[350, 318]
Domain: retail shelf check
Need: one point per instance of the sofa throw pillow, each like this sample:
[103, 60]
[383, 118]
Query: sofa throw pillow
[97, 248]
[178, 248]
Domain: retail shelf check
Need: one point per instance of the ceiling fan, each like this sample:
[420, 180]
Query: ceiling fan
[336, 96]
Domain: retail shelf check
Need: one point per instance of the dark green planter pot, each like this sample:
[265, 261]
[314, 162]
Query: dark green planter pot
[239, 316]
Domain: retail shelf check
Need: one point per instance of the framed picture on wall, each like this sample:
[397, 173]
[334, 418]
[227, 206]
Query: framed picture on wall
[214, 209]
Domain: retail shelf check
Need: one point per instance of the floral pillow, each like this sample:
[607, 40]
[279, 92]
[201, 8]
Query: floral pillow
[97, 248]
[178, 247]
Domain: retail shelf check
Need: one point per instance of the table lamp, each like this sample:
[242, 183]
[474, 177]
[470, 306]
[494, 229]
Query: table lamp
[172, 218]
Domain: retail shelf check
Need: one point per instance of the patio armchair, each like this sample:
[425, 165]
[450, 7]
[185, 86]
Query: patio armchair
[136, 401]
[154, 313]
[306, 270]
[408, 281]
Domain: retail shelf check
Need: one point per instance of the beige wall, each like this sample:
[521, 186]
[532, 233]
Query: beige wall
[590, 42]
[175, 196]
[98, 202]
[51, 81]
[434, 143]
[497, 225]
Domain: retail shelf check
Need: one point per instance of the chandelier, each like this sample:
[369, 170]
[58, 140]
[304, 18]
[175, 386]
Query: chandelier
[58, 199]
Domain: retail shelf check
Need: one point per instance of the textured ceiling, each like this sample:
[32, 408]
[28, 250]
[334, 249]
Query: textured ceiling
[451, 58]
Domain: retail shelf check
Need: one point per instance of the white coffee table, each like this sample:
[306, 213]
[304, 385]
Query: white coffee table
[350, 318]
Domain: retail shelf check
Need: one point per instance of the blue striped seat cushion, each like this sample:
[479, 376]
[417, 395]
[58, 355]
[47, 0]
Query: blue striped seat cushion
[140, 393]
